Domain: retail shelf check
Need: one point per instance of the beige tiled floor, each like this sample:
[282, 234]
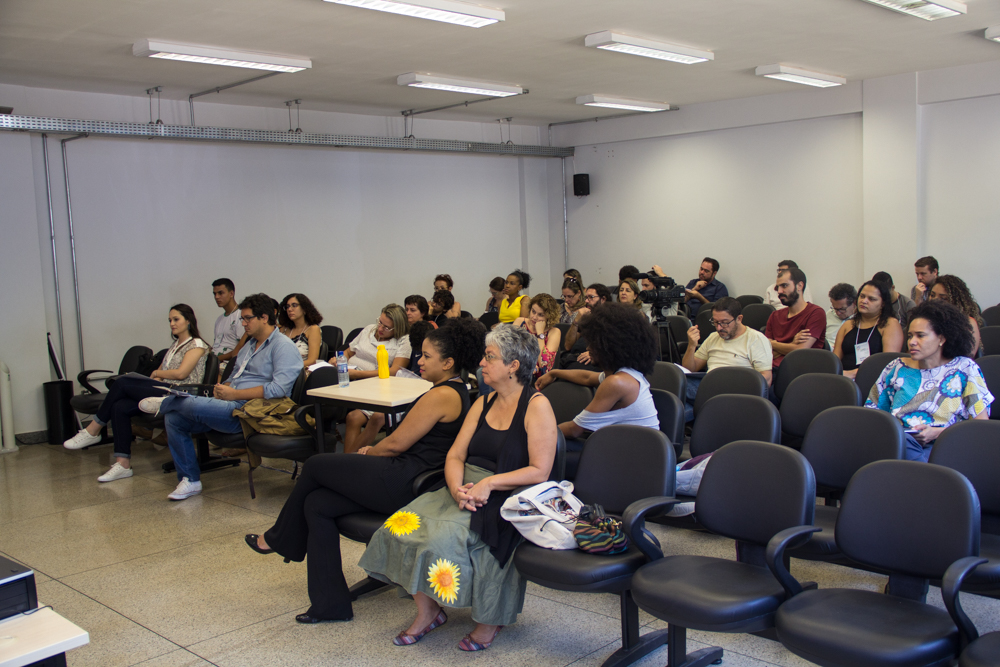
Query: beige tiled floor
[164, 584]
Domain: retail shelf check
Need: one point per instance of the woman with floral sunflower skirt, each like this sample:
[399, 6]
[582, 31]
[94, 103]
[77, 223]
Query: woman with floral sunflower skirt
[377, 478]
[450, 547]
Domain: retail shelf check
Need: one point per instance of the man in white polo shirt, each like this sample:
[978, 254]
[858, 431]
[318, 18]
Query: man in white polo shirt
[732, 344]
[228, 326]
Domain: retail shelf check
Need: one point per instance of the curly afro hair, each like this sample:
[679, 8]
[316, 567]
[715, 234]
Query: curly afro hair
[949, 323]
[960, 296]
[461, 339]
[619, 336]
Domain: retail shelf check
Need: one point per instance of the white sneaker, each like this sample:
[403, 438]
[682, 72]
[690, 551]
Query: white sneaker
[151, 405]
[185, 489]
[118, 471]
[81, 440]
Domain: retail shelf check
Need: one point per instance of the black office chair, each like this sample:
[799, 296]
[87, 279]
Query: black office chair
[678, 325]
[992, 316]
[870, 370]
[467, 315]
[835, 457]
[913, 521]
[983, 652]
[324, 352]
[730, 417]
[670, 411]
[563, 328]
[990, 366]
[334, 339]
[351, 336]
[621, 465]
[89, 401]
[669, 377]
[755, 315]
[567, 401]
[748, 299]
[800, 362]
[973, 449]
[991, 340]
[807, 396]
[729, 380]
[701, 321]
[297, 448]
[489, 320]
[751, 492]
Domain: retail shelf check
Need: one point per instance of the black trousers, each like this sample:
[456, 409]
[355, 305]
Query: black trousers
[331, 485]
[122, 403]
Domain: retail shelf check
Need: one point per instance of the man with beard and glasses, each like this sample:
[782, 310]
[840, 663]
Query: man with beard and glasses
[800, 325]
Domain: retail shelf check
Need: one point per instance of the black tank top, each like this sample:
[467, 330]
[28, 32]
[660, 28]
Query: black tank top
[850, 362]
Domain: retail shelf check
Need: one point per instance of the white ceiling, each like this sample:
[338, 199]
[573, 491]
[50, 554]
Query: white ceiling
[357, 53]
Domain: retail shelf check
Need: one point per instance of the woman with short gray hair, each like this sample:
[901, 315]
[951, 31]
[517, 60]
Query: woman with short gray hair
[450, 547]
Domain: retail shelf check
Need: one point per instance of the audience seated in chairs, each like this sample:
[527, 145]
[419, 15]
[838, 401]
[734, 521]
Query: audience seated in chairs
[514, 304]
[801, 324]
[299, 320]
[184, 363]
[460, 555]
[628, 293]
[541, 322]
[572, 294]
[953, 290]
[496, 295]
[378, 478]
[705, 288]
[391, 330]
[266, 367]
[444, 282]
[873, 328]
[228, 327]
[901, 304]
[938, 385]
[843, 305]
[575, 346]
[771, 293]
[926, 270]
[417, 309]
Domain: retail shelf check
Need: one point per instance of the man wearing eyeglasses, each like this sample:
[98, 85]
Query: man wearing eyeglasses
[843, 300]
[732, 344]
[266, 367]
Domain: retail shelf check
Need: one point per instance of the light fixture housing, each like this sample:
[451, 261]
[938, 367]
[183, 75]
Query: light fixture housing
[621, 103]
[637, 46]
[929, 10]
[214, 55]
[798, 75]
[993, 33]
[447, 11]
[449, 84]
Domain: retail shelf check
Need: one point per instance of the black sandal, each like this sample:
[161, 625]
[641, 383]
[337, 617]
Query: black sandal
[251, 541]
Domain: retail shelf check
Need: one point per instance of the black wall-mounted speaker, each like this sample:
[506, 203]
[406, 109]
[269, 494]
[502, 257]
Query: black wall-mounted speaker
[581, 185]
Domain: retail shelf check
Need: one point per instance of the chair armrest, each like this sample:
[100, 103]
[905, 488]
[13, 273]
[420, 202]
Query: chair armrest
[634, 523]
[426, 481]
[300, 419]
[951, 584]
[84, 380]
[775, 555]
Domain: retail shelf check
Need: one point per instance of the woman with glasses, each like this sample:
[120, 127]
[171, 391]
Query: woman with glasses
[873, 328]
[450, 548]
[572, 293]
[299, 320]
[953, 290]
[391, 329]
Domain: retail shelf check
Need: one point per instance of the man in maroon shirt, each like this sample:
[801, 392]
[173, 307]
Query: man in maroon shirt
[802, 325]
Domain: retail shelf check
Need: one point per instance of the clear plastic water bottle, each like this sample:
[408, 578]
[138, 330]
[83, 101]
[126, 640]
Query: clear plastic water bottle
[342, 375]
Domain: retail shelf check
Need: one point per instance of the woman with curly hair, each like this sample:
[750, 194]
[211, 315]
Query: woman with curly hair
[938, 385]
[628, 293]
[953, 290]
[299, 320]
[572, 293]
[443, 281]
[376, 479]
[541, 322]
[873, 328]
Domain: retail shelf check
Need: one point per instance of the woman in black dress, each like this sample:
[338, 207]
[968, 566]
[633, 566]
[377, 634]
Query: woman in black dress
[377, 478]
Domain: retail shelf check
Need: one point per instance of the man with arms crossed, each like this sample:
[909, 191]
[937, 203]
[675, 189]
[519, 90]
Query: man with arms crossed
[771, 293]
[228, 326]
[798, 326]
[266, 367]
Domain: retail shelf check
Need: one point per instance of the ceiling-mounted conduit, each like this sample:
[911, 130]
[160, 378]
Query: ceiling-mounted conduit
[111, 128]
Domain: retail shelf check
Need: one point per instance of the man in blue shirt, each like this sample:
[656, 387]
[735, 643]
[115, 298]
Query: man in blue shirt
[705, 288]
[266, 367]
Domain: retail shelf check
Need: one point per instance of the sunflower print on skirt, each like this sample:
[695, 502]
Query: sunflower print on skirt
[443, 577]
[402, 523]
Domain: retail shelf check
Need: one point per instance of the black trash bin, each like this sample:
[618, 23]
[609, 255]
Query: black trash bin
[59, 415]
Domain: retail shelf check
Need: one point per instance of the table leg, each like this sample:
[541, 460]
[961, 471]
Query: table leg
[320, 438]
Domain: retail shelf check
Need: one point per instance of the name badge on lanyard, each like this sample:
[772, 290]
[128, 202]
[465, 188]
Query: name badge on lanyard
[243, 366]
[861, 350]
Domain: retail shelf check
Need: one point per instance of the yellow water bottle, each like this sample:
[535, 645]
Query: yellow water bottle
[383, 362]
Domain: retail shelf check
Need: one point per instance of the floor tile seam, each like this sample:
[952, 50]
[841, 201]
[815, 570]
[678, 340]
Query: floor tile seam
[599, 649]
[139, 664]
[191, 647]
[573, 606]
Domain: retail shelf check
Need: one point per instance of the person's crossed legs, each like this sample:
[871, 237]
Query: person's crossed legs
[184, 417]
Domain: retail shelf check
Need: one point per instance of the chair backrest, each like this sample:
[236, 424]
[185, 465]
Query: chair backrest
[298, 394]
[622, 464]
[755, 315]
[729, 380]
[211, 370]
[333, 337]
[567, 399]
[908, 517]
[751, 491]
[324, 351]
[559, 463]
[731, 417]
[352, 335]
[466, 314]
[701, 320]
[679, 326]
[810, 394]
[991, 340]
[747, 299]
[669, 377]
[973, 449]
[489, 320]
[871, 368]
[990, 366]
[842, 440]
[800, 362]
[130, 362]
[992, 316]
[670, 411]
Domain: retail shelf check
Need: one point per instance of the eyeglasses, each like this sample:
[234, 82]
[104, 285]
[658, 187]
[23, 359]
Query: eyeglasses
[378, 324]
[246, 320]
[720, 323]
[490, 357]
[841, 310]
[289, 306]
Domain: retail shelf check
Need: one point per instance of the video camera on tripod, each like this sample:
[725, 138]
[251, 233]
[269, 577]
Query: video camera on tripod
[665, 293]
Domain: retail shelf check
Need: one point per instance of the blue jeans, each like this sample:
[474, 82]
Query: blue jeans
[692, 393]
[198, 414]
[915, 451]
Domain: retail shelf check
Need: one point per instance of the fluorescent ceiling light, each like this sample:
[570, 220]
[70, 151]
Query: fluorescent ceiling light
[621, 103]
[993, 33]
[213, 55]
[928, 10]
[448, 11]
[636, 46]
[457, 85]
[797, 75]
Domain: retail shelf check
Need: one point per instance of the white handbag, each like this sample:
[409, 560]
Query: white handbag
[545, 514]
